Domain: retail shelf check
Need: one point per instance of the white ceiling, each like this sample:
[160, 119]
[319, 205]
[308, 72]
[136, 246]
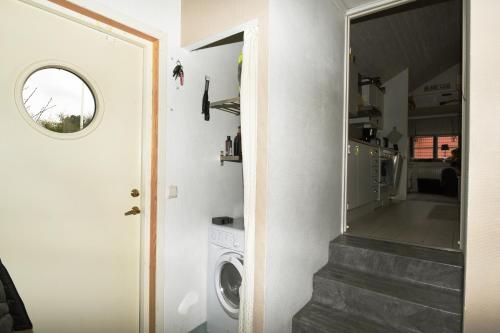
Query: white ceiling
[354, 3]
[424, 36]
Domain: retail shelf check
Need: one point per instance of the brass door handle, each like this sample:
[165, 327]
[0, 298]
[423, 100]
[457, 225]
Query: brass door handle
[134, 211]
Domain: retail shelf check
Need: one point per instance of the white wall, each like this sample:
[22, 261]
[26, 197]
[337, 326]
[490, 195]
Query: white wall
[441, 120]
[482, 260]
[306, 50]
[396, 115]
[189, 151]
[451, 75]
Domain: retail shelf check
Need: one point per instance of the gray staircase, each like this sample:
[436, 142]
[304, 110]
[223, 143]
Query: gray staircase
[378, 286]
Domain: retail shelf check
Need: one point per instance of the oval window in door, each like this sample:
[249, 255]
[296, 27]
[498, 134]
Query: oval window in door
[58, 100]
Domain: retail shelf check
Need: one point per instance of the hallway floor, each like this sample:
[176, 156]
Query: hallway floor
[421, 222]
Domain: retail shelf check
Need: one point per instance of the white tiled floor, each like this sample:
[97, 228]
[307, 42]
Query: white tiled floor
[422, 222]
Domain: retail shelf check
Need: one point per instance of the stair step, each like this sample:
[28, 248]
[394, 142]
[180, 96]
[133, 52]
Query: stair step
[391, 302]
[407, 262]
[317, 318]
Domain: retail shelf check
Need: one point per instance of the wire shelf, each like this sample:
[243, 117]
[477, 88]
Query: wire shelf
[231, 105]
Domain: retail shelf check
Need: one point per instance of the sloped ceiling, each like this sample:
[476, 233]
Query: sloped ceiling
[424, 36]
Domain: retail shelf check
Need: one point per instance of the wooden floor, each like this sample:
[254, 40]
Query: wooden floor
[419, 220]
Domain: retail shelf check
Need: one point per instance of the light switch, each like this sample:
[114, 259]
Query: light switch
[172, 191]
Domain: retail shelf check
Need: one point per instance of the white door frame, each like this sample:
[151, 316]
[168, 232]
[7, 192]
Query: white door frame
[153, 43]
[464, 194]
[371, 8]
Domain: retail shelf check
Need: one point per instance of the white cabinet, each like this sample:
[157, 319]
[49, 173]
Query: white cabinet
[365, 183]
[436, 99]
[372, 97]
[362, 174]
[353, 88]
[352, 179]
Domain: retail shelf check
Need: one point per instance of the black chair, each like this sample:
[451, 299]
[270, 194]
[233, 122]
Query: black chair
[449, 182]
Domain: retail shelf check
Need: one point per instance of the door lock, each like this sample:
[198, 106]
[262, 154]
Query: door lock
[134, 211]
[134, 193]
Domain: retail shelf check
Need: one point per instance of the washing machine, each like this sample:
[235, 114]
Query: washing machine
[225, 273]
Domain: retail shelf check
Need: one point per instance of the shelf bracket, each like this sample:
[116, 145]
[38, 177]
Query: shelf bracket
[229, 158]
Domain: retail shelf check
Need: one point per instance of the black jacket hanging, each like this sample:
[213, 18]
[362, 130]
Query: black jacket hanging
[16, 305]
[205, 107]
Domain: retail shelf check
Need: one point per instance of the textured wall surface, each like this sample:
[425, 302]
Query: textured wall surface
[306, 50]
[482, 268]
[202, 18]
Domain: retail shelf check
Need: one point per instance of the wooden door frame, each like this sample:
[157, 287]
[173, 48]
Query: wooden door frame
[151, 298]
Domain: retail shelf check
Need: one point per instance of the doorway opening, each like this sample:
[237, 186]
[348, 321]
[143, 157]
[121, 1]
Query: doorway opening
[227, 70]
[405, 129]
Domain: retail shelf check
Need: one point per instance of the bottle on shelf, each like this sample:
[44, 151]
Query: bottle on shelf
[229, 146]
[237, 143]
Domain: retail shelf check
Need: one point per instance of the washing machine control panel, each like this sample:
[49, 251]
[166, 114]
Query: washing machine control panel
[230, 239]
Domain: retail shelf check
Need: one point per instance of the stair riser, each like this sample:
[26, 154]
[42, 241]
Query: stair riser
[384, 309]
[299, 327]
[314, 318]
[406, 268]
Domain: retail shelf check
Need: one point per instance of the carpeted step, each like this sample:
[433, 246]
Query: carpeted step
[389, 302]
[317, 318]
[418, 264]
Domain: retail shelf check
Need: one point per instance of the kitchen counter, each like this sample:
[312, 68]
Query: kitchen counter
[363, 173]
[372, 145]
[364, 143]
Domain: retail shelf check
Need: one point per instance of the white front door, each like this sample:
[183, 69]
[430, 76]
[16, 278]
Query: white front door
[70, 156]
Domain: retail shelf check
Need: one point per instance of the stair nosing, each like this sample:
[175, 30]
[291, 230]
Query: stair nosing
[326, 311]
[401, 279]
[403, 256]
[318, 274]
[339, 242]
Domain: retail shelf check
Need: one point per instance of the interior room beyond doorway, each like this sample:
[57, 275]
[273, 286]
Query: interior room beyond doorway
[405, 124]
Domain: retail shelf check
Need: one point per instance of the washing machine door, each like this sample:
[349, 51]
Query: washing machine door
[228, 278]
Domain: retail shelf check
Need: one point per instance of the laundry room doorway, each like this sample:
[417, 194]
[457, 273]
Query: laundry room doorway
[230, 97]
